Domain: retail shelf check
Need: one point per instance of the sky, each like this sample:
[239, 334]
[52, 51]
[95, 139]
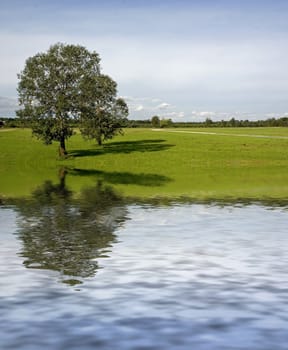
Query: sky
[186, 60]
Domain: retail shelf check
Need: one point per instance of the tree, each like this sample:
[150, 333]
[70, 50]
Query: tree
[155, 121]
[208, 122]
[49, 90]
[64, 83]
[103, 114]
[166, 123]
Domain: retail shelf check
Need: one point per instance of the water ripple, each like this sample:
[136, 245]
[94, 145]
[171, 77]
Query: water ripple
[182, 277]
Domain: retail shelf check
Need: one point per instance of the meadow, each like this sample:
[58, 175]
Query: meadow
[147, 164]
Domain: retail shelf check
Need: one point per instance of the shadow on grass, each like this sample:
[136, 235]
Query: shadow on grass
[123, 178]
[123, 147]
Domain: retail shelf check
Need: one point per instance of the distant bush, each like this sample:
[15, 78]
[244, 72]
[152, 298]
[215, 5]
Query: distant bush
[166, 123]
[10, 123]
[155, 121]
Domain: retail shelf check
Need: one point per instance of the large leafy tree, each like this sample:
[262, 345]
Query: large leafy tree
[63, 83]
[49, 90]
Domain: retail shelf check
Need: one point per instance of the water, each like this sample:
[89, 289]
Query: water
[82, 275]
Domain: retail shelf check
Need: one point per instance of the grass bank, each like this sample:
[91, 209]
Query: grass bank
[146, 163]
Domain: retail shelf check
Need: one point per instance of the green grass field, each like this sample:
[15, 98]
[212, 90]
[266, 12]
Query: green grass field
[145, 163]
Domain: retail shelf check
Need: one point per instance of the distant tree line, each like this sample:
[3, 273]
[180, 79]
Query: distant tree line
[232, 123]
[10, 122]
[235, 123]
[162, 123]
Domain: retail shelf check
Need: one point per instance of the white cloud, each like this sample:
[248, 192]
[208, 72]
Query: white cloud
[174, 115]
[146, 107]
[163, 105]
[206, 114]
[139, 108]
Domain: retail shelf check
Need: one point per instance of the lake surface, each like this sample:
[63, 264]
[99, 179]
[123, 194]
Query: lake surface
[90, 274]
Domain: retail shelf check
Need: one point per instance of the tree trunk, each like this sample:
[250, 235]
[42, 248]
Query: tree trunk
[62, 147]
[62, 177]
[99, 140]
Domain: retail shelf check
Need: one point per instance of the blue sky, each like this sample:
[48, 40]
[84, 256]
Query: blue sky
[186, 60]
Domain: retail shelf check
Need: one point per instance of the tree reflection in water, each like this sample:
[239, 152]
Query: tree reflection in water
[68, 235]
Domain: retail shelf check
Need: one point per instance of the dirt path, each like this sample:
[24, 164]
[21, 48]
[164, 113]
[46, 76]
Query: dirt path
[222, 134]
[11, 129]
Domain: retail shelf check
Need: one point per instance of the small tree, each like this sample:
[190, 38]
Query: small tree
[103, 115]
[155, 121]
[208, 122]
[166, 123]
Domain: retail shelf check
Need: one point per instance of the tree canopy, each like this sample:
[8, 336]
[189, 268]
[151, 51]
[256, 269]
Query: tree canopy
[63, 83]
[155, 121]
[104, 114]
